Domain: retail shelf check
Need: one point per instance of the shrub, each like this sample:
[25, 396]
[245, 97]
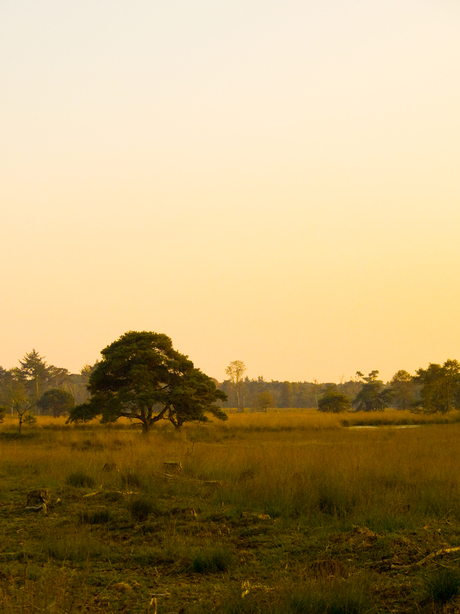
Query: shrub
[80, 479]
[100, 517]
[141, 509]
[131, 479]
[29, 419]
[443, 585]
[211, 561]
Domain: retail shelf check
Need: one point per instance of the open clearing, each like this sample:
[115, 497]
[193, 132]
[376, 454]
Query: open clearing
[284, 512]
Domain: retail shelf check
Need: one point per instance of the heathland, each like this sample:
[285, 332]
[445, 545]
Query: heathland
[280, 512]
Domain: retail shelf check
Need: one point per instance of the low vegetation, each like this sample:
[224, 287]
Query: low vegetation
[279, 512]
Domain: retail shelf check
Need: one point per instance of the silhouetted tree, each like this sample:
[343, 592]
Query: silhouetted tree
[56, 402]
[143, 378]
[404, 389]
[440, 390]
[333, 401]
[373, 395]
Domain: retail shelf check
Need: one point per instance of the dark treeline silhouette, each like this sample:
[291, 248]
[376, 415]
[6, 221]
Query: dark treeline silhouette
[38, 387]
[23, 389]
[285, 394]
[435, 389]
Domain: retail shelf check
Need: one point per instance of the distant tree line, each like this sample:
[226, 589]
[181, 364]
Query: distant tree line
[435, 389]
[142, 377]
[36, 387]
[283, 394]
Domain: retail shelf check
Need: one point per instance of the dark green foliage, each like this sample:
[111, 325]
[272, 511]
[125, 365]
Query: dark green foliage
[98, 517]
[80, 479]
[443, 585]
[334, 401]
[284, 394]
[193, 396]
[373, 396]
[404, 389]
[211, 561]
[263, 401]
[143, 378]
[141, 509]
[39, 375]
[56, 402]
[131, 479]
[440, 386]
[35, 372]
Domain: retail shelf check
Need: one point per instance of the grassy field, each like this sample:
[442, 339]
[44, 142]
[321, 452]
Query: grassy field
[280, 513]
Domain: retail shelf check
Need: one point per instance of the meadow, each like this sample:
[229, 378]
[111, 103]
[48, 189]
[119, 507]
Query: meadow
[285, 512]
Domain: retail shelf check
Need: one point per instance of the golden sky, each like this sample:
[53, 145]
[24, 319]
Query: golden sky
[273, 182]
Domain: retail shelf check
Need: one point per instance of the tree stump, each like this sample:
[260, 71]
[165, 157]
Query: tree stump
[172, 467]
[37, 500]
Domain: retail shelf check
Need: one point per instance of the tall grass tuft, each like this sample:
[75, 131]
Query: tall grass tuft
[323, 598]
[141, 509]
[212, 560]
[97, 517]
[79, 479]
[443, 585]
[131, 479]
[73, 547]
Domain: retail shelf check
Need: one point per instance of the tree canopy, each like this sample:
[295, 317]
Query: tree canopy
[373, 395]
[404, 389]
[142, 377]
[193, 397]
[334, 401]
[440, 386]
[263, 401]
[56, 402]
[15, 397]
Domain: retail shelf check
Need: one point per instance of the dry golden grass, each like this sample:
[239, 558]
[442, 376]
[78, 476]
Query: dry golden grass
[262, 499]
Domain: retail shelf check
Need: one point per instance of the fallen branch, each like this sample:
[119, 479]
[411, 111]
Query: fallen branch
[168, 476]
[117, 492]
[428, 558]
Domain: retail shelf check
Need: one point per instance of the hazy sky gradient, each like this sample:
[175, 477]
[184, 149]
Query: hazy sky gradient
[273, 182]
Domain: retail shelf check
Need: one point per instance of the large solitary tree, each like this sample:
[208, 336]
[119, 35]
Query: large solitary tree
[142, 377]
